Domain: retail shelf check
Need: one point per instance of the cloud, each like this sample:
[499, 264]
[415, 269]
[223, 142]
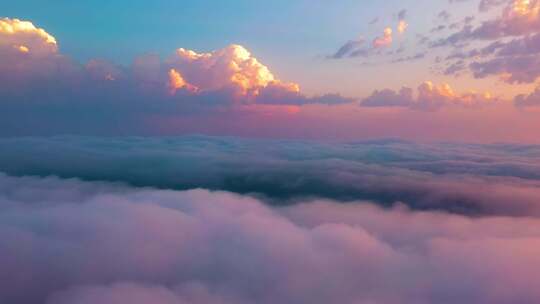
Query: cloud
[231, 70]
[444, 15]
[478, 180]
[42, 90]
[486, 5]
[222, 92]
[528, 100]
[18, 36]
[402, 24]
[233, 66]
[513, 51]
[347, 49]
[385, 40]
[429, 97]
[514, 61]
[67, 241]
[519, 17]
[356, 47]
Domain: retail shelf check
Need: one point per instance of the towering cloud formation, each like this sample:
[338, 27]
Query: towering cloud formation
[233, 66]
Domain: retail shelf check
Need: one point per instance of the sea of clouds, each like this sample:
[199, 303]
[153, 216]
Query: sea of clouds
[498, 179]
[197, 220]
[64, 241]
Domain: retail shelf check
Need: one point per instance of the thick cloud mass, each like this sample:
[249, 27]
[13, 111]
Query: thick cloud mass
[72, 242]
[466, 179]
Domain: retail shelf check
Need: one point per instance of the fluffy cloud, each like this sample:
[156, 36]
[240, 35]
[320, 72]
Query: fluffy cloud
[429, 96]
[233, 66]
[66, 241]
[39, 85]
[476, 180]
[232, 70]
[27, 53]
[23, 37]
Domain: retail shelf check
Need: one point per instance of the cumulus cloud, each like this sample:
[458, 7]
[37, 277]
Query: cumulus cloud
[66, 241]
[27, 53]
[429, 96]
[24, 37]
[232, 66]
[479, 180]
[39, 85]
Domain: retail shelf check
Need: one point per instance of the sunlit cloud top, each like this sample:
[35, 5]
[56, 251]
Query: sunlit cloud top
[231, 66]
[23, 36]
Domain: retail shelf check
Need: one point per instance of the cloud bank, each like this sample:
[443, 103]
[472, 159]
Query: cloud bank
[465, 179]
[66, 241]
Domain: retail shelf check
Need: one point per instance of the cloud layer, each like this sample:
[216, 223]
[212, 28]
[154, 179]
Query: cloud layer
[464, 179]
[66, 241]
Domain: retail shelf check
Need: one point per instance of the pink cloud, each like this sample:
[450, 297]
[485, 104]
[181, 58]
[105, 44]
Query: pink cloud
[111, 244]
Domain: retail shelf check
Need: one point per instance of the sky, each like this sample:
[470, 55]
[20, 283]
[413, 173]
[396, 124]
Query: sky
[292, 37]
[417, 70]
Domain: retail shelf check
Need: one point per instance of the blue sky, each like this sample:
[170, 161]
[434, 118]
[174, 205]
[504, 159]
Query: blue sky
[290, 36]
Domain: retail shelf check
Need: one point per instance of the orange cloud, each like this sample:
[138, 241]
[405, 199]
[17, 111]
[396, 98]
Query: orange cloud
[524, 8]
[402, 26]
[444, 92]
[24, 37]
[177, 82]
[385, 40]
[233, 66]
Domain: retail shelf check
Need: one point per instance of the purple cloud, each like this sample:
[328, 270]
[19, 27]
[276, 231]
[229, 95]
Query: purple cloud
[66, 241]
